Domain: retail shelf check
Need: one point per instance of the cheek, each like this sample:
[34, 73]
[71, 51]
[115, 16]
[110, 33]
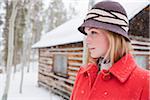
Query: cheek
[102, 46]
[105, 44]
[102, 43]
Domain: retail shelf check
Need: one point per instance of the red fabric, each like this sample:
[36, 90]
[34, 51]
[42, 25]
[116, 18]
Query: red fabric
[123, 81]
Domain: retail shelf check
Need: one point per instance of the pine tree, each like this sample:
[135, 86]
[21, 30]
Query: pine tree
[55, 15]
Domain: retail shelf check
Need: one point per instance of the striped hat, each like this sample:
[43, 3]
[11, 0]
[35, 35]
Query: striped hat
[108, 15]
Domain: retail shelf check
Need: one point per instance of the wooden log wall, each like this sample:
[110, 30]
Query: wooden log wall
[60, 85]
[141, 47]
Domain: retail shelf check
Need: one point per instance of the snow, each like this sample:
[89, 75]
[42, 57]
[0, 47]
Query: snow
[31, 91]
[133, 7]
[68, 33]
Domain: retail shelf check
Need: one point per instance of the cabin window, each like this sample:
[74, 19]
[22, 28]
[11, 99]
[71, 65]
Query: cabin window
[60, 65]
[142, 61]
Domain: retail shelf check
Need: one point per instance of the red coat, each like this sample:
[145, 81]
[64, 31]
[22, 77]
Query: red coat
[124, 81]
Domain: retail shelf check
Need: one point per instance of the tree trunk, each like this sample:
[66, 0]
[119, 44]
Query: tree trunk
[10, 49]
[29, 28]
[15, 54]
[24, 58]
[22, 69]
[28, 54]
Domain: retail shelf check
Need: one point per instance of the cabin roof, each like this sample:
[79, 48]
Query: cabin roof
[68, 33]
[63, 34]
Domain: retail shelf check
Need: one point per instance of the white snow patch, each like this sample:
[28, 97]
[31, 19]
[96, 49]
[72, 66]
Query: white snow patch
[31, 91]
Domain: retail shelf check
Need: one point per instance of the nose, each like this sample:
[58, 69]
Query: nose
[88, 39]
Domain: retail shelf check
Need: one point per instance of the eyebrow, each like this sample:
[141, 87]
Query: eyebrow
[89, 28]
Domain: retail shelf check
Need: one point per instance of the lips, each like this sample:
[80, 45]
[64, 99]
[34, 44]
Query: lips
[91, 49]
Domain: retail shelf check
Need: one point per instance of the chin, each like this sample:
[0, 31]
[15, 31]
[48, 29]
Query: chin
[95, 56]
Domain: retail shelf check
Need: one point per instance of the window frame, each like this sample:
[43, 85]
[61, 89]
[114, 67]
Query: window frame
[56, 66]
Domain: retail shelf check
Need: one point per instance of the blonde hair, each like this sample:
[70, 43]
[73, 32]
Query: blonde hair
[118, 47]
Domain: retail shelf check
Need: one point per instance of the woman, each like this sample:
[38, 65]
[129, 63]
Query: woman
[111, 72]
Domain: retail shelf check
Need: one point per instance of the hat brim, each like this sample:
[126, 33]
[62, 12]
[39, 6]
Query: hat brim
[105, 26]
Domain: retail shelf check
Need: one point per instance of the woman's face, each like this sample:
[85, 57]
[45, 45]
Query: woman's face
[97, 42]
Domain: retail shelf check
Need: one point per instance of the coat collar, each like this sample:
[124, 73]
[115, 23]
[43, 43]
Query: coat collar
[92, 68]
[123, 68]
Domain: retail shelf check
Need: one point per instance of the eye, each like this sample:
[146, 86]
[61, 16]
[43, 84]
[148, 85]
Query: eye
[93, 32]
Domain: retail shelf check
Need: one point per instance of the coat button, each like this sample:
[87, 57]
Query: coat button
[105, 93]
[82, 91]
[106, 75]
[85, 75]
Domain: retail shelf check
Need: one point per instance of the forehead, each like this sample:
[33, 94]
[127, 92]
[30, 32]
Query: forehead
[89, 29]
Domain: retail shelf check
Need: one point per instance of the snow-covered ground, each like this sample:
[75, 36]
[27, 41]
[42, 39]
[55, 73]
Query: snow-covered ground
[31, 91]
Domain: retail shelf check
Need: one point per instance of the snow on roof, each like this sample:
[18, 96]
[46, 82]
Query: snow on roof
[65, 33]
[68, 33]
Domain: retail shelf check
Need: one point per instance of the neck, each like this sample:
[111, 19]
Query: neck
[103, 63]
